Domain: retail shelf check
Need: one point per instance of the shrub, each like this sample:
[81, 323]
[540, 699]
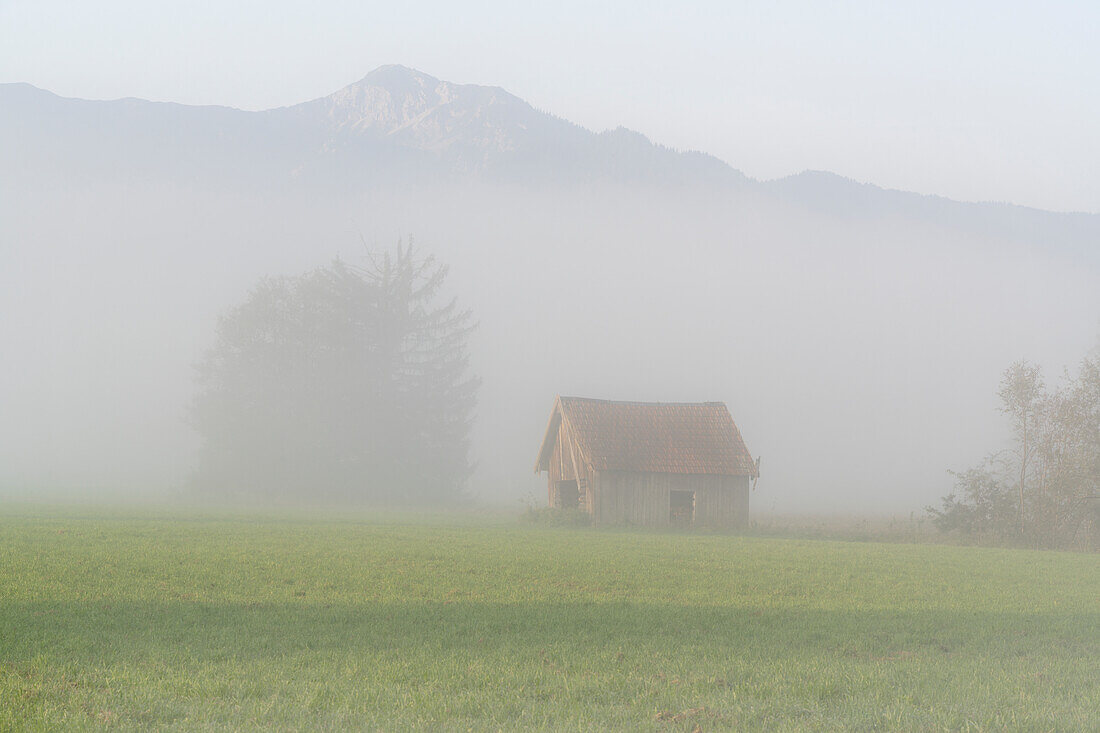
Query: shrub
[554, 517]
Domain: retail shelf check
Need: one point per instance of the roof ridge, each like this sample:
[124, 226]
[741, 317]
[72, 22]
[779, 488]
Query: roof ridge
[637, 402]
[655, 437]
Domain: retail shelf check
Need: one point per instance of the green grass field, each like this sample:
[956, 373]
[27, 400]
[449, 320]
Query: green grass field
[175, 620]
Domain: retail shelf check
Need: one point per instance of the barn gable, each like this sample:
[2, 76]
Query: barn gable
[647, 463]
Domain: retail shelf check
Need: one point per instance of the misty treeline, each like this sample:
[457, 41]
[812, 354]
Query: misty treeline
[1043, 490]
[346, 383]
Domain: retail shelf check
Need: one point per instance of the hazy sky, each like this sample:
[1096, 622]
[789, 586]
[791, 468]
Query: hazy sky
[976, 101]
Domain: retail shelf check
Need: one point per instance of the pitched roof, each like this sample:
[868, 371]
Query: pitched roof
[658, 437]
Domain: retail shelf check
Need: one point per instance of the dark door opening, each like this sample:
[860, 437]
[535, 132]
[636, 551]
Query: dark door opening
[681, 508]
[569, 495]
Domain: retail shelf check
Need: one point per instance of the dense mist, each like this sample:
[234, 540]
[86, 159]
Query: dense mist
[857, 335]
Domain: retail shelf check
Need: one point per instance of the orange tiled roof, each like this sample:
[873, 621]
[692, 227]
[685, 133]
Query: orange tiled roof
[695, 438]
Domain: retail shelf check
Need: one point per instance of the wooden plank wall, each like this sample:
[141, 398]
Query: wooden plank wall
[723, 501]
[642, 499]
[564, 468]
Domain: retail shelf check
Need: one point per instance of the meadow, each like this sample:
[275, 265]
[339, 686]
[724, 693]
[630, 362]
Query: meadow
[176, 619]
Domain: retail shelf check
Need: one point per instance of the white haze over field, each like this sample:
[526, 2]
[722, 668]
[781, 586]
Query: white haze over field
[857, 335]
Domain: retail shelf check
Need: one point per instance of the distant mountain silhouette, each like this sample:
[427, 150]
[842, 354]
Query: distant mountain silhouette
[394, 124]
[399, 126]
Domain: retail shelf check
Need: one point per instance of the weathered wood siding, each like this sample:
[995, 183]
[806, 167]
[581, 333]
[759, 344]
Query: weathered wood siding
[724, 502]
[565, 465]
[620, 497]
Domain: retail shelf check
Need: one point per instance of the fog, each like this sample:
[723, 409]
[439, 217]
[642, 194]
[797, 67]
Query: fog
[856, 334]
[858, 353]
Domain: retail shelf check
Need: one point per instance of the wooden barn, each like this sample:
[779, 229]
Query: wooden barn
[647, 463]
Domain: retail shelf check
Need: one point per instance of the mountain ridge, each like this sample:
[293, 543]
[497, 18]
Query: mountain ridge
[443, 129]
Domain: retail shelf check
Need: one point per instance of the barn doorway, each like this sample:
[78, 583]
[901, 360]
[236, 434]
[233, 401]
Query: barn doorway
[681, 508]
[569, 495]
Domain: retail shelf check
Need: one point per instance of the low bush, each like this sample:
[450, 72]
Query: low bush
[554, 517]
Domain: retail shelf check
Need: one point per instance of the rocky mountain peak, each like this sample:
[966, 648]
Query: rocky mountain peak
[417, 110]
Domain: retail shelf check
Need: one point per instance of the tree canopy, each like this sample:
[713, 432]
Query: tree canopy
[1044, 489]
[344, 383]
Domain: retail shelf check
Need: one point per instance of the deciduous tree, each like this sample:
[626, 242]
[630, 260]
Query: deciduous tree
[1045, 489]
